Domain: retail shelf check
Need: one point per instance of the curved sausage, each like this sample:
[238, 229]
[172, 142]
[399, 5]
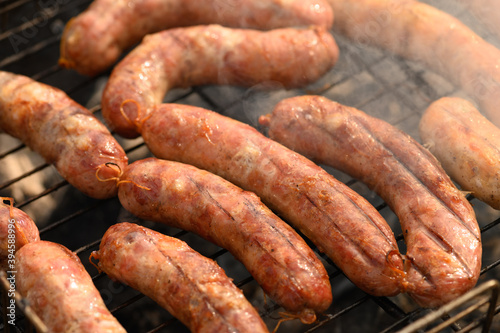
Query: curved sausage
[16, 230]
[65, 133]
[466, 144]
[191, 287]
[336, 219]
[60, 291]
[94, 40]
[420, 32]
[211, 54]
[443, 258]
[487, 12]
[198, 201]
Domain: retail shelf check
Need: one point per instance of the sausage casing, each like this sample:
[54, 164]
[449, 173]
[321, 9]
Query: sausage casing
[335, 218]
[65, 133]
[94, 40]
[191, 287]
[196, 200]
[60, 291]
[16, 230]
[466, 144]
[212, 54]
[443, 258]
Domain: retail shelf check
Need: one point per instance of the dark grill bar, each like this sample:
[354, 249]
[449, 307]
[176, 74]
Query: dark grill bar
[380, 84]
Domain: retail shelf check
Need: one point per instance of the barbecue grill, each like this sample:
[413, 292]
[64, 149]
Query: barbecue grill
[380, 84]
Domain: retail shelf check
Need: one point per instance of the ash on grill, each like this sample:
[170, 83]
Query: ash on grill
[380, 84]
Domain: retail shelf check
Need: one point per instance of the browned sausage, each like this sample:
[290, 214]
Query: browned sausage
[62, 131]
[212, 54]
[466, 144]
[338, 220]
[191, 287]
[94, 40]
[195, 200]
[420, 32]
[486, 11]
[443, 258]
[16, 230]
[60, 291]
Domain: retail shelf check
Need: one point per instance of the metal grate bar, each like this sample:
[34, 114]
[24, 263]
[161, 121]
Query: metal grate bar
[491, 287]
[330, 317]
[12, 6]
[12, 151]
[32, 50]
[27, 174]
[72, 216]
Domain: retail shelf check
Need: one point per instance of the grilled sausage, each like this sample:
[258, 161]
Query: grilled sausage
[94, 40]
[191, 287]
[60, 291]
[195, 200]
[339, 221]
[62, 131]
[443, 258]
[422, 33]
[466, 144]
[486, 11]
[211, 54]
[16, 230]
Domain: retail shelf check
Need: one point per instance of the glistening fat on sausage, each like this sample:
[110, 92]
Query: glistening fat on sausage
[191, 287]
[443, 258]
[94, 40]
[60, 291]
[65, 133]
[212, 54]
[198, 201]
[466, 144]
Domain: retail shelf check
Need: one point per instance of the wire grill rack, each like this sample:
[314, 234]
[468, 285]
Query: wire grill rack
[380, 84]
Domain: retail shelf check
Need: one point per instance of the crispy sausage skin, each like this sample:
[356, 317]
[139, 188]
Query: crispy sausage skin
[19, 228]
[420, 32]
[212, 54]
[339, 221]
[443, 258]
[191, 287]
[94, 40]
[466, 144]
[60, 291]
[196, 200]
[65, 133]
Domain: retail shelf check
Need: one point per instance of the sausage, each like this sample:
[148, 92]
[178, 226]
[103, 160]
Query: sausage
[94, 40]
[191, 287]
[65, 133]
[16, 230]
[198, 201]
[466, 144]
[60, 291]
[487, 12]
[211, 54]
[335, 218]
[420, 32]
[443, 258]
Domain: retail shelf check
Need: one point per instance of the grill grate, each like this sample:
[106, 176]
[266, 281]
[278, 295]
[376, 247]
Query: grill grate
[377, 83]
